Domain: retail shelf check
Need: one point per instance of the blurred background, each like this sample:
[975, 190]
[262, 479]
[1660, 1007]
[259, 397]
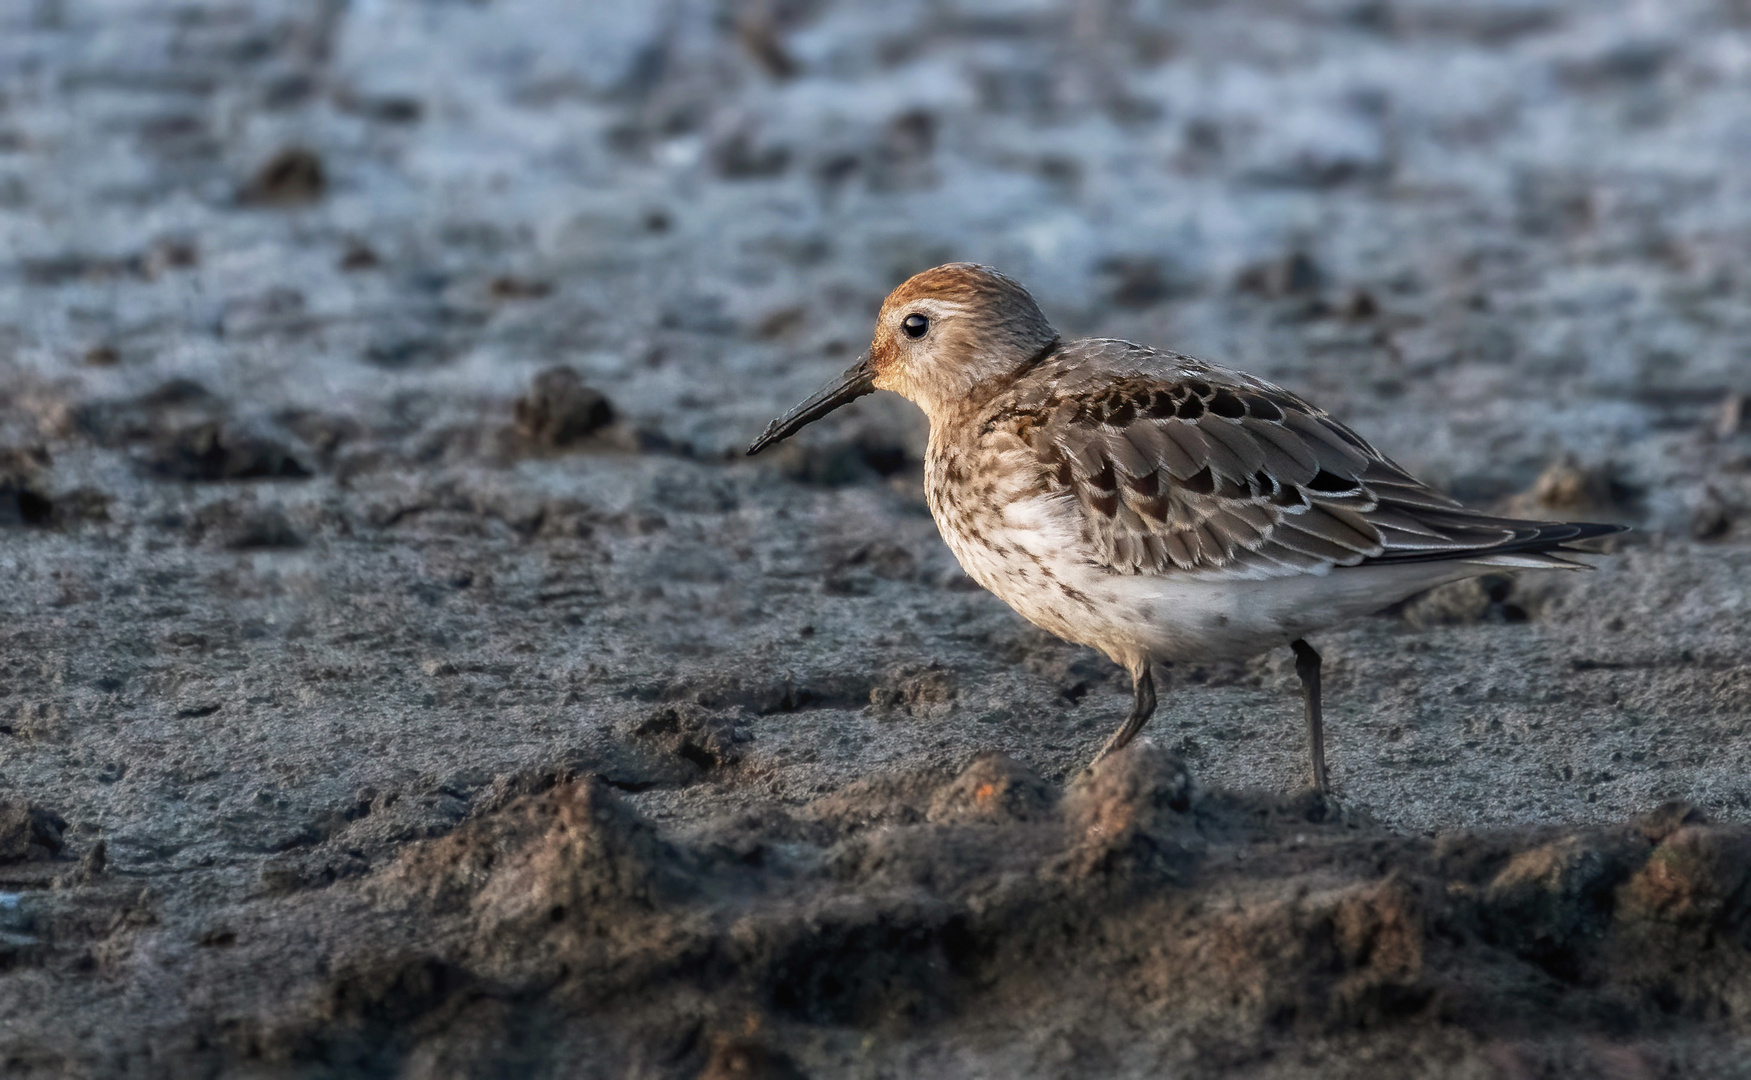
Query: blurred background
[1487, 233]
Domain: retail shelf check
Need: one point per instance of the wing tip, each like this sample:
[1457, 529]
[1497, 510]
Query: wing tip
[1589, 530]
[1535, 545]
[1515, 560]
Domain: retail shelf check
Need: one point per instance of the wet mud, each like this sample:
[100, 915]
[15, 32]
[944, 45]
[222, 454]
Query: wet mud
[404, 673]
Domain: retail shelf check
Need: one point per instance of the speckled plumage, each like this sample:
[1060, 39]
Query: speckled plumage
[1157, 507]
[1154, 506]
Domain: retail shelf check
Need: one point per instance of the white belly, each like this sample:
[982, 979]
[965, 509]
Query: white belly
[1033, 557]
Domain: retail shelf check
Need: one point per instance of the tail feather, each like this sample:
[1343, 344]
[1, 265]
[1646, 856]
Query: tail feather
[1532, 545]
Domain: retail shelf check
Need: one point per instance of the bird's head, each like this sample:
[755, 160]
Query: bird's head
[940, 336]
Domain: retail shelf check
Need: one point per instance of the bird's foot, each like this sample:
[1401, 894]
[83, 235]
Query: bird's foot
[1319, 806]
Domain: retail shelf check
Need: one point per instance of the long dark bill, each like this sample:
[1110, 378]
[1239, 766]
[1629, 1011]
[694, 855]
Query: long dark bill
[858, 380]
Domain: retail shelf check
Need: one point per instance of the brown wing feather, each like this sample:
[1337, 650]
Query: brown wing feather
[1203, 469]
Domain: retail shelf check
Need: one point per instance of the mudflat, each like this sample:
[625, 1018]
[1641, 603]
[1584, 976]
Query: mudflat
[402, 672]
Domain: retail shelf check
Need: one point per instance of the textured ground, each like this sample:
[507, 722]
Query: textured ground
[375, 700]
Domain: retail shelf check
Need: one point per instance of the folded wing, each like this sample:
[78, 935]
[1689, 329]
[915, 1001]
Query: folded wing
[1218, 472]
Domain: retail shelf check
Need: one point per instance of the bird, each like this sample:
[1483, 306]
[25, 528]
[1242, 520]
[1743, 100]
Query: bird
[1155, 507]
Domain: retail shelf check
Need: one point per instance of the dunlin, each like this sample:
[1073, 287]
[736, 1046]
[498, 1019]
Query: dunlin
[1153, 506]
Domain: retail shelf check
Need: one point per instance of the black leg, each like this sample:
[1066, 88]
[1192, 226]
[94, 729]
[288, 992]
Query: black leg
[1142, 707]
[1307, 666]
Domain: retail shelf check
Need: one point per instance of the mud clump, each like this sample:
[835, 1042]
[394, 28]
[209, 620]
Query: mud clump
[210, 452]
[994, 788]
[29, 833]
[22, 501]
[691, 734]
[1568, 488]
[20, 505]
[182, 431]
[918, 692]
[1550, 900]
[292, 177]
[560, 412]
[1155, 914]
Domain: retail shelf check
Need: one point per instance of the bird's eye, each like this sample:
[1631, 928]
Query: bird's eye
[915, 325]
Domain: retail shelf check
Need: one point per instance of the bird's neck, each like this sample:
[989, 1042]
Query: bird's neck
[953, 391]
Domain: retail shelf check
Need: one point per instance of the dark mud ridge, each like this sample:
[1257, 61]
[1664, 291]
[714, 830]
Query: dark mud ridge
[919, 922]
